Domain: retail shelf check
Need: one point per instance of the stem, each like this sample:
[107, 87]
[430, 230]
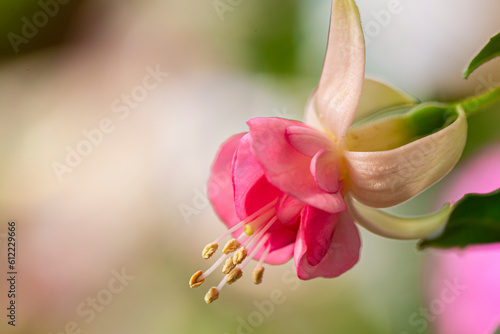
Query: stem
[477, 103]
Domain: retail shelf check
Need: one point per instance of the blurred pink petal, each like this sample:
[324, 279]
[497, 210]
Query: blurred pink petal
[476, 309]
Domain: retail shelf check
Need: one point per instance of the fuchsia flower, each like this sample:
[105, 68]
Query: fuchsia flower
[293, 182]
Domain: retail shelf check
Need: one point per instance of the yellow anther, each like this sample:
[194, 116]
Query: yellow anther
[209, 250]
[211, 295]
[231, 246]
[193, 282]
[228, 266]
[257, 274]
[234, 275]
[240, 255]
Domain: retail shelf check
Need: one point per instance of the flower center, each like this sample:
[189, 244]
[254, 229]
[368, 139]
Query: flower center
[236, 251]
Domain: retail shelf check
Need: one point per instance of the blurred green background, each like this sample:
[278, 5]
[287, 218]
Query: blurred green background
[119, 207]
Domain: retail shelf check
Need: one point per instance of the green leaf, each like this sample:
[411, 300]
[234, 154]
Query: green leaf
[498, 331]
[490, 51]
[475, 219]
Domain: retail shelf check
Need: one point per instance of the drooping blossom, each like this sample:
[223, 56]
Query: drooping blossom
[463, 285]
[296, 188]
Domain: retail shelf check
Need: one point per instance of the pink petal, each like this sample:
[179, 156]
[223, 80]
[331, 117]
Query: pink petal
[281, 236]
[342, 254]
[281, 242]
[288, 210]
[285, 167]
[341, 81]
[252, 191]
[325, 168]
[306, 140]
[220, 183]
[316, 232]
[281, 255]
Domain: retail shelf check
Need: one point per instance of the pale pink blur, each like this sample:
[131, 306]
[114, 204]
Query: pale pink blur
[476, 308]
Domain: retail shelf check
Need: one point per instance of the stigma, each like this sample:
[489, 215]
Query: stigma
[238, 252]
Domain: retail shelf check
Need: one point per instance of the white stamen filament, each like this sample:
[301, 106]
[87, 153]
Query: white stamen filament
[221, 284]
[263, 257]
[258, 272]
[214, 266]
[246, 220]
[254, 251]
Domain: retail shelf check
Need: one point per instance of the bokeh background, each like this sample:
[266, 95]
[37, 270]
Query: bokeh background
[133, 205]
